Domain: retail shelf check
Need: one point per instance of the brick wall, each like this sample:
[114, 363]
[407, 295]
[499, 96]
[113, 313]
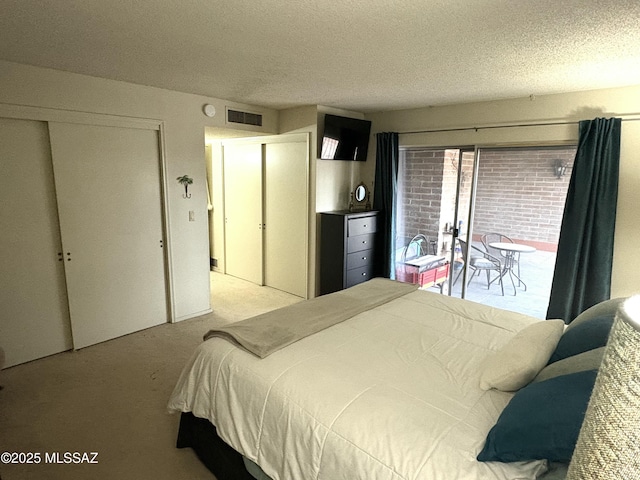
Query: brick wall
[517, 193]
[419, 194]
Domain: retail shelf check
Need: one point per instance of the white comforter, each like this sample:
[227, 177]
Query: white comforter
[390, 394]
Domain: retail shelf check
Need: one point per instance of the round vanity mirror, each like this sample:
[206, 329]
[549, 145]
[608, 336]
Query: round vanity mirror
[360, 198]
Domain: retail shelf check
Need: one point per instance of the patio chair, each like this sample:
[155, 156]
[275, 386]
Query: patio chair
[415, 247]
[479, 261]
[417, 263]
[488, 238]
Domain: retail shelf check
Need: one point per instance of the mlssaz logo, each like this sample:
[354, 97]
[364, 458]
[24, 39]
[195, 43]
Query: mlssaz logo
[71, 457]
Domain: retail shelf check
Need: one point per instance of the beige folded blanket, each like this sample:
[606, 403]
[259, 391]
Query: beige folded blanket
[264, 334]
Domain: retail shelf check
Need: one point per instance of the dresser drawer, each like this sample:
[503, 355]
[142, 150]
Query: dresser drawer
[359, 243]
[358, 275]
[361, 226]
[359, 259]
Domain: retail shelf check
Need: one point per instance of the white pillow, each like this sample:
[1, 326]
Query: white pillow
[521, 359]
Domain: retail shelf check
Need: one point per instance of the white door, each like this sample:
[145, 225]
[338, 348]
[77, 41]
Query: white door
[109, 200]
[34, 318]
[243, 210]
[286, 222]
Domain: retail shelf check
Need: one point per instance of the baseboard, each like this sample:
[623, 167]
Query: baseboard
[192, 315]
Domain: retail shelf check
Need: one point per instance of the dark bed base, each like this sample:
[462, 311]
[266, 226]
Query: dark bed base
[227, 464]
[222, 460]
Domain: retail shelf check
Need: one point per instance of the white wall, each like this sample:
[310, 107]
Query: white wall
[183, 135]
[336, 179]
[331, 181]
[561, 108]
[216, 215]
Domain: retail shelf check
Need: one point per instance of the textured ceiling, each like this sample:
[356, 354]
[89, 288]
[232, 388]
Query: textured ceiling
[362, 55]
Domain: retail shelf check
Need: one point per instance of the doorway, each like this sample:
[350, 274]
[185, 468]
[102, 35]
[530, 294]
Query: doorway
[259, 221]
[457, 196]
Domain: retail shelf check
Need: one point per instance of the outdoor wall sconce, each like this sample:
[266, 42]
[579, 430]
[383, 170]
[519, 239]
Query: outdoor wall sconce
[559, 168]
[186, 181]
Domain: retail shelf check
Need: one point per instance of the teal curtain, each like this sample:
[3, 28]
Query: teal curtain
[582, 275]
[384, 201]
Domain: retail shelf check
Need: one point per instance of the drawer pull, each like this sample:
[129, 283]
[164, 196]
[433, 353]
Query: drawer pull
[364, 258]
[364, 241]
[365, 226]
[364, 274]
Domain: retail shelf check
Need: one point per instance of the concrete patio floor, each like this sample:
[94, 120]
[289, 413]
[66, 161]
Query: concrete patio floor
[536, 271]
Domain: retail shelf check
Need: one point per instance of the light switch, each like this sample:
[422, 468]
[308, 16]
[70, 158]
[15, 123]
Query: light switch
[192, 216]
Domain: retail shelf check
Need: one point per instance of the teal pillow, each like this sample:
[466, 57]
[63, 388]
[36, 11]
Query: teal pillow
[542, 421]
[586, 336]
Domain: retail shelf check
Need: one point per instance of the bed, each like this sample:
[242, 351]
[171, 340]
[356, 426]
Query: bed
[395, 387]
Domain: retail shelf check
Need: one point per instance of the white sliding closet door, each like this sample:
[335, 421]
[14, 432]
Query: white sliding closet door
[243, 211]
[266, 203]
[34, 318]
[285, 214]
[109, 200]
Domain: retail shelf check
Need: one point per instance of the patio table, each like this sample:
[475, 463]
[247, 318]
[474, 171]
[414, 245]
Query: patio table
[510, 250]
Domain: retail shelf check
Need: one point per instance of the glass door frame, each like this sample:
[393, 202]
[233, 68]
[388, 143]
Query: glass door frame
[454, 232]
[469, 218]
[483, 155]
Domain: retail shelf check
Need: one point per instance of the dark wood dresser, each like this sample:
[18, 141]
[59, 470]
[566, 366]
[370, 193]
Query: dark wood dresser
[347, 247]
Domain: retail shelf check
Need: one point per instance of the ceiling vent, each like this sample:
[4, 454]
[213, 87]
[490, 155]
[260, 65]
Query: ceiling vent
[245, 118]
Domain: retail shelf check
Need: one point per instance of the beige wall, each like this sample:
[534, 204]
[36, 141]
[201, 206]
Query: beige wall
[336, 179]
[331, 181]
[183, 138]
[216, 213]
[561, 108]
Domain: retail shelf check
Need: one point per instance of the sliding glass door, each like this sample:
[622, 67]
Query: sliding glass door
[464, 204]
[518, 202]
[434, 197]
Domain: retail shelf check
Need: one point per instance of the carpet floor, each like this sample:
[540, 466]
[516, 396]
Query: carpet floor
[111, 398]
